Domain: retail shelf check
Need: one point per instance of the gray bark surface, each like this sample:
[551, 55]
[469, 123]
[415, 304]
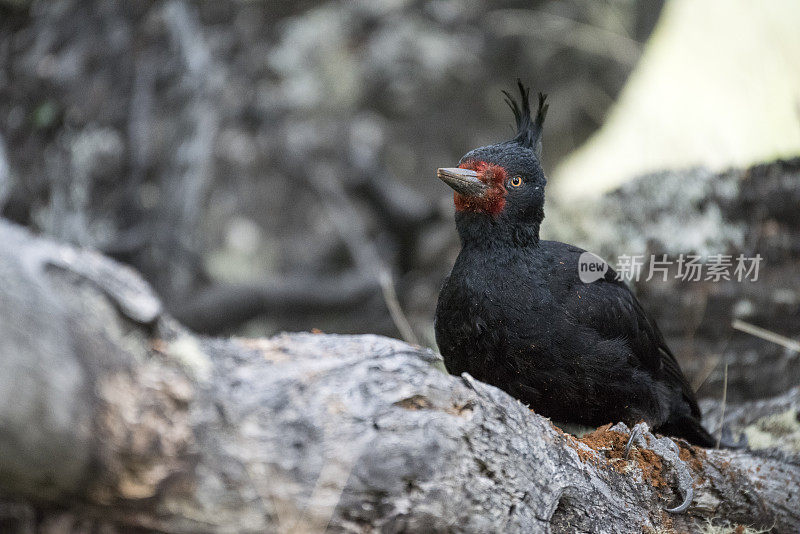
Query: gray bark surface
[115, 418]
[747, 212]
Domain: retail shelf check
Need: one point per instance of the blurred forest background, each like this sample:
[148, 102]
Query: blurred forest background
[270, 166]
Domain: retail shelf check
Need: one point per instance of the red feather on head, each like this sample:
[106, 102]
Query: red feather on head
[494, 200]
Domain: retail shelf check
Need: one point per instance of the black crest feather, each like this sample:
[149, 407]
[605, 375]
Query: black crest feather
[529, 130]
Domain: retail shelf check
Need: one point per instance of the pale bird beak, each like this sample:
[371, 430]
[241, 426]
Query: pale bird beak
[463, 181]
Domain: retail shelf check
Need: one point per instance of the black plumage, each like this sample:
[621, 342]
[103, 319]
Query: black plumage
[515, 314]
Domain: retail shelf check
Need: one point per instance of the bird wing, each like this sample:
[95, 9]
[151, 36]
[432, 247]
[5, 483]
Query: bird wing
[610, 308]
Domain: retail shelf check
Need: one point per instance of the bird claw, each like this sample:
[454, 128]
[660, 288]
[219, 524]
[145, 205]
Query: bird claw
[684, 476]
[636, 433]
[672, 457]
[682, 507]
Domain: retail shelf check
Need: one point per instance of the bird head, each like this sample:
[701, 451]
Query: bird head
[503, 184]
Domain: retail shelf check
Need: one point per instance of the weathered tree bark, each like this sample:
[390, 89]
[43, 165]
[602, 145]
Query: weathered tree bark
[747, 212]
[114, 418]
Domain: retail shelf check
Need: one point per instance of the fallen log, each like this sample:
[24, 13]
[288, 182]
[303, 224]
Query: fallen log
[115, 418]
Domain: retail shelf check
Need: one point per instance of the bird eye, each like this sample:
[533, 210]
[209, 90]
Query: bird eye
[516, 181]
